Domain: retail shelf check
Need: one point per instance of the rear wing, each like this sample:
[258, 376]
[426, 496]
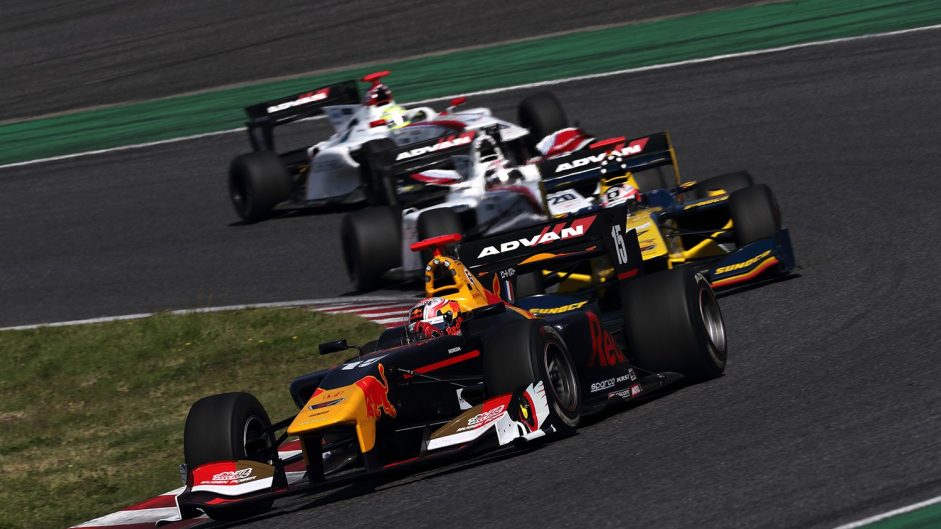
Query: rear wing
[394, 168]
[264, 117]
[554, 244]
[611, 157]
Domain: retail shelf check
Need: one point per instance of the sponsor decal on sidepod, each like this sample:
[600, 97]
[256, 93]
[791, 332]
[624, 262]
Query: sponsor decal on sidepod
[603, 385]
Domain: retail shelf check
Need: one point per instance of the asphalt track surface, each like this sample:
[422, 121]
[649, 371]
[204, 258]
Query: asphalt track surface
[60, 55]
[829, 409]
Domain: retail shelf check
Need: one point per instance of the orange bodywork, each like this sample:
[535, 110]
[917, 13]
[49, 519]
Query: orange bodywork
[360, 404]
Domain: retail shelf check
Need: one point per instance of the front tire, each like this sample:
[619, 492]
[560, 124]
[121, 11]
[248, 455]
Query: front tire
[755, 214]
[230, 426]
[655, 178]
[729, 183]
[529, 351]
[371, 245]
[258, 182]
[672, 322]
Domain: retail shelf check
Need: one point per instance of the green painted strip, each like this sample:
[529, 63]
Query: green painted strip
[919, 519]
[658, 42]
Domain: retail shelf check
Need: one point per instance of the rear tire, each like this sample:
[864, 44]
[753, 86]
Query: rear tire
[258, 182]
[529, 351]
[435, 222]
[755, 214]
[224, 427]
[372, 241]
[672, 322]
[542, 114]
[729, 183]
[654, 178]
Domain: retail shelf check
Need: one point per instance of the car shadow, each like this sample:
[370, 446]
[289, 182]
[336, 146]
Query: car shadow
[310, 211]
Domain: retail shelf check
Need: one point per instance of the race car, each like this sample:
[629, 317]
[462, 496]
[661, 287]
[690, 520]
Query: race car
[726, 227]
[470, 371]
[482, 192]
[342, 169]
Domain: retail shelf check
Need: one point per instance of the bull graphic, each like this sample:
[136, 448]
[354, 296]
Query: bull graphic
[377, 395]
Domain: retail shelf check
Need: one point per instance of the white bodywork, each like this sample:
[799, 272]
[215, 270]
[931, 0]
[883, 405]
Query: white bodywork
[500, 195]
[335, 175]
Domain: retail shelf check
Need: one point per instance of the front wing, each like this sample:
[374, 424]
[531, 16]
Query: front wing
[760, 259]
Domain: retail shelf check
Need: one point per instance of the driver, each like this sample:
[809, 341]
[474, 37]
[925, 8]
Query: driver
[380, 96]
[433, 317]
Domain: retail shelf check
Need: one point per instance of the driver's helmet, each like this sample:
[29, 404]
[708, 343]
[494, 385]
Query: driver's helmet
[488, 153]
[378, 95]
[433, 317]
[487, 150]
[394, 116]
[620, 193]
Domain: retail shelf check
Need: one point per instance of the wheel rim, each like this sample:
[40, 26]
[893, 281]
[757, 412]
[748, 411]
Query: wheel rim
[254, 440]
[561, 377]
[712, 320]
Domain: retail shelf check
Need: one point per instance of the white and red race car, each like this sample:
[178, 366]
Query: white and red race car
[473, 189]
[347, 167]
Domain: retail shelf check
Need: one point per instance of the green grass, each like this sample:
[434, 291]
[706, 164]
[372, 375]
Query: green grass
[92, 416]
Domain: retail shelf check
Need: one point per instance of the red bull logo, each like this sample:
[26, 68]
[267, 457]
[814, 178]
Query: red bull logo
[377, 395]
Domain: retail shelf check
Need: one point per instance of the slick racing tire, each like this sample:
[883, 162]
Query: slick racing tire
[258, 182]
[672, 322]
[373, 168]
[435, 222]
[755, 214]
[371, 245]
[655, 178]
[729, 182]
[228, 426]
[529, 351]
[542, 114]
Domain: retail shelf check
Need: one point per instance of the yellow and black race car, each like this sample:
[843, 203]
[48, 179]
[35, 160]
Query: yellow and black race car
[726, 227]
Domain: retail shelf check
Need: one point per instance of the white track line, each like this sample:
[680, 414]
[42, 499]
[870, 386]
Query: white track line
[315, 303]
[366, 309]
[553, 82]
[890, 514]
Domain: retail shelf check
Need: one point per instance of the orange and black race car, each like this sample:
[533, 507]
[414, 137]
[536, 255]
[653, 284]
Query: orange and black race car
[472, 370]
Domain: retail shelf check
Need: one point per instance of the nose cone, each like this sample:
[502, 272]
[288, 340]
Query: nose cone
[361, 404]
[329, 408]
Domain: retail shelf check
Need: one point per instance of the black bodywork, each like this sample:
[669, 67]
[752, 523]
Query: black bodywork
[425, 385]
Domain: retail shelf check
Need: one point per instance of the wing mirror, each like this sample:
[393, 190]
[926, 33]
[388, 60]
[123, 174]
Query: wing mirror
[333, 347]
